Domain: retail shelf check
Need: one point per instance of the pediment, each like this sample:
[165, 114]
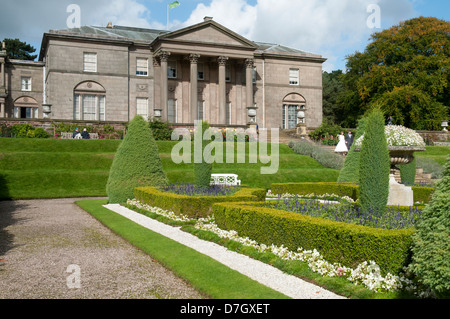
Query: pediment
[210, 32]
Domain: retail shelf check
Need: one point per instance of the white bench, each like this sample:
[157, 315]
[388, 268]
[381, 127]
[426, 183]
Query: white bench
[225, 179]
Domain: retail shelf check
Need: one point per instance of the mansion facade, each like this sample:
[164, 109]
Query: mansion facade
[204, 71]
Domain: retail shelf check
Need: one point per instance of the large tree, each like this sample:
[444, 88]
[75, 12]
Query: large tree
[332, 87]
[19, 50]
[406, 70]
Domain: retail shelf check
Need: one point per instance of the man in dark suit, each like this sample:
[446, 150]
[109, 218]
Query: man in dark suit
[349, 139]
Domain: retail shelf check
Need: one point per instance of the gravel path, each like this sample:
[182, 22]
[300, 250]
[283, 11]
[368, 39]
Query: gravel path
[40, 239]
[272, 277]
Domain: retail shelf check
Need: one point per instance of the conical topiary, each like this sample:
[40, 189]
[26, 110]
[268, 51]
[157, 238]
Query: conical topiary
[374, 165]
[136, 164]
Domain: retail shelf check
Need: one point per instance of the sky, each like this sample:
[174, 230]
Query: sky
[331, 28]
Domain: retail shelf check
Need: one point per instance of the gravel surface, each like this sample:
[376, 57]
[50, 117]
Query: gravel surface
[41, 239]
[272, 277]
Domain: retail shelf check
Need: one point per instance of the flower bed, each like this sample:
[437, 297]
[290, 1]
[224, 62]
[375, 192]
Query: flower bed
[338, 242]
[193, 206]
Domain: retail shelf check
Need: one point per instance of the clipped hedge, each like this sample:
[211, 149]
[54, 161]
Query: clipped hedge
[350, 190]
[421, 194]
[337, 242]
[193, 206]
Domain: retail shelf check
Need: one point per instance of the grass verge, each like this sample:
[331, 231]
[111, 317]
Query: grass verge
[204, 273]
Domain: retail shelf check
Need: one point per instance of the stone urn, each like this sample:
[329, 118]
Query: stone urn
[400, 194]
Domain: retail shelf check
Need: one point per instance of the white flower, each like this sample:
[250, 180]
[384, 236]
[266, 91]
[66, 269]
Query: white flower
[397, 135]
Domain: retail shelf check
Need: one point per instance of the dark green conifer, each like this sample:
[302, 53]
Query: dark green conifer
[136, 163]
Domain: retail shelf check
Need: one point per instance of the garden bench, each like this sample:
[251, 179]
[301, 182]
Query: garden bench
[68, 136]
[225, 179]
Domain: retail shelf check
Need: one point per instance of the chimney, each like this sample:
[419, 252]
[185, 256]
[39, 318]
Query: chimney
[110, 25]
[207, 19]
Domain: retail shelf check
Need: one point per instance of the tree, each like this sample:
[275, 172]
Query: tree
[431, 241]
[202, 171]
[405, 69]
[374, 165]
[19, 50]
[332, 87]
[136, 164]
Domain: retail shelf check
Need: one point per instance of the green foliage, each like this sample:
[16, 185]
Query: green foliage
[374, 165]
[193, 206]
[405, 69]
[325, 131]
[324, 157]
[349, 190]
[430, 166]
[25, 131]
[431, 253]
[350, 172]
[202, 171]
[161, 130]
[136, 164]
[338, 242]
[332, 87]
[19, 50]
[408, 173]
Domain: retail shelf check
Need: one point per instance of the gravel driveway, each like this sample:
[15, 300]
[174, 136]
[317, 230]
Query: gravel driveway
[53, 249]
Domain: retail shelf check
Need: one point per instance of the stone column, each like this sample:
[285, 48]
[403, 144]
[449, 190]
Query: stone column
[222, 89]
[2, 74]
[164, 57]
[249, 82]
[2, 109]
[193, 104]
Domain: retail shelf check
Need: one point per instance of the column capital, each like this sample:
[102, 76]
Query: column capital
[164, 56]
[193, 57]
[222, 60]
[249, 63]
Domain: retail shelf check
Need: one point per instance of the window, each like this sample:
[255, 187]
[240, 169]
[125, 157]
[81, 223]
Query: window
[254, 75]
[89, 107]
[228, 73]
[90, 62]
[293, 76]
[201, 71]
[172, 69]
[26, 83]
[289, 116]
[142, 66]
[172, 111]
[142, 107]
[26, 112]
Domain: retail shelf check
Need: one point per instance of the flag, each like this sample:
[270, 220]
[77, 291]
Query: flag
[174, 4]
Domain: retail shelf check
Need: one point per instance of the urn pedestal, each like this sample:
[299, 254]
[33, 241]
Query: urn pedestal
[399, 194]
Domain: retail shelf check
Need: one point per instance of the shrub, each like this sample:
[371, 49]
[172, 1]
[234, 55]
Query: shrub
[324, 157]
[161, 130]
[316, 188]
[202, 171]
[374, 164]
[193, 206]
[430, 166]
[350, 172]
[325, 131]
[338, 242]
[431, 242]
[408, 173]
[137, 163]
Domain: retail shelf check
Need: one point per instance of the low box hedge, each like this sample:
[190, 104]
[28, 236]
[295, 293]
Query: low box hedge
[337, 242]
[193, 206]
[421, 194]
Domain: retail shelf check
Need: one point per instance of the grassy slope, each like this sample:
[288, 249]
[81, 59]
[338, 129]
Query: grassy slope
[32, 168]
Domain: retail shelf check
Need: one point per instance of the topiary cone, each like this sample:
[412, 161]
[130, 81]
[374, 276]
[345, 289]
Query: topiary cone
[136, 164]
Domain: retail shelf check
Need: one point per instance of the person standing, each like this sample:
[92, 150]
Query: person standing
[349, 139]
[341, 147]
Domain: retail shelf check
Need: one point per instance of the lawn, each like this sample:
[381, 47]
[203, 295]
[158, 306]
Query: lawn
[35, 168]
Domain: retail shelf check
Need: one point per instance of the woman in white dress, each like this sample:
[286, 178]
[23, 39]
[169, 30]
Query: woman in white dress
[341, 147]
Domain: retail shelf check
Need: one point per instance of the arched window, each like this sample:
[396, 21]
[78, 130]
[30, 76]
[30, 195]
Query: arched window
[292, 104]
[26, 107]
[89, 102]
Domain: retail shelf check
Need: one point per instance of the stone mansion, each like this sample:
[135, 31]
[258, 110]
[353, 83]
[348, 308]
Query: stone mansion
[204, 71]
